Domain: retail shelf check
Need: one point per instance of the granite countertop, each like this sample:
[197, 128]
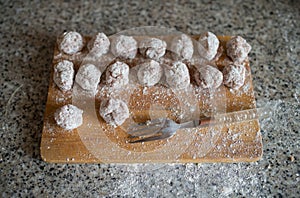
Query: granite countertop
[28, 34]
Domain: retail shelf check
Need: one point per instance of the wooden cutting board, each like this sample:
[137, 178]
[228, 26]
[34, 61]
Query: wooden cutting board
[96, 142]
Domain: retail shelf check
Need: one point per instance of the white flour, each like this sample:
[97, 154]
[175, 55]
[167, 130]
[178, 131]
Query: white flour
[149, 73]
[99, 44]
[153, 48]
[237, 49]
[208, 45]
[68, 117]
[182, 47]
[177, 76]
[88, 77]
[114, 111]
[71, 43]
[124, 47]
[234, 76]
[63, 75]
[208, 77]
[117, 75]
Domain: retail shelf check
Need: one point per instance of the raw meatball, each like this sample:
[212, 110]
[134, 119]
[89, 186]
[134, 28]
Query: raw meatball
[238, 49]
[68, 117]
[152, 48]
[124, 47]
[182, 47]
[71, 43]
[234, 76]
[208, 45]
[88, 77]
[99, 44]
[64, 75]
[149, 73]
[114, 111]
[177, 76]
[208, 77]
[117, 75]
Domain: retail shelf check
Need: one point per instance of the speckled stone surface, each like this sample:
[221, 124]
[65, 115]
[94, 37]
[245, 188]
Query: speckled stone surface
[28, 34]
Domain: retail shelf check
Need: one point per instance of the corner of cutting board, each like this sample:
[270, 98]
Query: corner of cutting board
[43, 154]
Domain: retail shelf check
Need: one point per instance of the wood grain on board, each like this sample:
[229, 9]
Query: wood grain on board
[238, 142]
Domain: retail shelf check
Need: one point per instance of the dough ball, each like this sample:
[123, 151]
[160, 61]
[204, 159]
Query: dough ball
[88, 77]
[117, 75]
[237, 49]
[114, 111]
[64, 75]
[177, 76]
[149, 73]
[99, 44]
[208, 77]
[234, 76]
[68, 117]
[153, 48]
[124, 47]
[208, 45]
[182, 47]
[71, 43]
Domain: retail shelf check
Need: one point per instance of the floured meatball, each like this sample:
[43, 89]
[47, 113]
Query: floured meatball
[149, 73]
[234, 76]
[71, 43]
[208, 45]
[182, 47]
[68, 117]
[99, 44]
[114, 111]
[88, 77]
[153, 48]
[177, 76]
[117, 75]
[237, 49]
[124, 47]
[208, 77]
[64, 75]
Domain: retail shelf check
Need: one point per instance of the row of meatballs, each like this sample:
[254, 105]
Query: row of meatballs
[115, 112]
[181, 46]
[150, 71]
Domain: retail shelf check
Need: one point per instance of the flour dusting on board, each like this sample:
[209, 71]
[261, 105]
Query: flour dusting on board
[127, 79]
